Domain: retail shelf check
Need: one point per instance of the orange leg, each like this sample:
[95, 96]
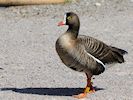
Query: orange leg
[89, 89]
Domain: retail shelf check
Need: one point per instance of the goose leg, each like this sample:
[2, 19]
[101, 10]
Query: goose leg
[88, 89]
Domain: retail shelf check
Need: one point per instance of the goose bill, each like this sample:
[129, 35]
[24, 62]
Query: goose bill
[62, 22]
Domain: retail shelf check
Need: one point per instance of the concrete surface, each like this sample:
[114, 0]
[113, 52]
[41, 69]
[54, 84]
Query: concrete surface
[30, 67]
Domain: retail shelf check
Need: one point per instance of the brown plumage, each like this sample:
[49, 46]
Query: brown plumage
[85, 53]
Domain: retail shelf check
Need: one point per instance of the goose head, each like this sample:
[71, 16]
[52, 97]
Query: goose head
[72, 20]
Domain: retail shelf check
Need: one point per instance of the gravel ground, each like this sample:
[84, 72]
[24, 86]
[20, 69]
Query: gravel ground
[30, 67]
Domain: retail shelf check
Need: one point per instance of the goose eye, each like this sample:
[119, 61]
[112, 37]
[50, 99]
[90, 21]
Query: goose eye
[69, 17]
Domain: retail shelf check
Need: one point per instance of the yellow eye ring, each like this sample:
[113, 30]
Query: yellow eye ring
[69, 17]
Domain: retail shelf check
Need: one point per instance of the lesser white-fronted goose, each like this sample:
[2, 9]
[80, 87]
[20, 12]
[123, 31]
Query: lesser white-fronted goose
[85, 53]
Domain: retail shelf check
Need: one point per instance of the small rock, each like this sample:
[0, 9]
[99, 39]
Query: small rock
[6, 63]
[1, 68]
[98, 4]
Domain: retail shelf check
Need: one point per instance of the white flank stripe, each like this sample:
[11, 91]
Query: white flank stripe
[96, 59]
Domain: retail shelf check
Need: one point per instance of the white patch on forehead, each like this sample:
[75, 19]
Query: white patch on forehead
[64, 20]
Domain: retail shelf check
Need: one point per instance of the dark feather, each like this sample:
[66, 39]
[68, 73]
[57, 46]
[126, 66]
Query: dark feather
[99, 69]
[121, 51]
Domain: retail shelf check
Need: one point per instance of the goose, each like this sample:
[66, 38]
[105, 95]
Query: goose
[84, 53]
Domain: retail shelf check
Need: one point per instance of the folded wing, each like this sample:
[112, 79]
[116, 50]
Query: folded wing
[83, 59]
[101, 51]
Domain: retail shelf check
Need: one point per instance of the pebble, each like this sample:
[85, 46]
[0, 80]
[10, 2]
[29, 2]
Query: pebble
[98, 4]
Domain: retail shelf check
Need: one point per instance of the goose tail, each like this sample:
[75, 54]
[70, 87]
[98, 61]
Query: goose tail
[118, 54]
[121, 51]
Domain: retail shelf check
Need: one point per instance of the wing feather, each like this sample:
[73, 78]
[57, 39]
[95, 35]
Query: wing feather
[100, 50]
[88, 61]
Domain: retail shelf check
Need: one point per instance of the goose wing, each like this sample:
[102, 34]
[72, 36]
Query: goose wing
[84, 60]
[100, 50]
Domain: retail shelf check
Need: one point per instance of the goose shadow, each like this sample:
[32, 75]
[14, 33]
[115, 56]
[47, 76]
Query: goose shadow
[48, 91]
